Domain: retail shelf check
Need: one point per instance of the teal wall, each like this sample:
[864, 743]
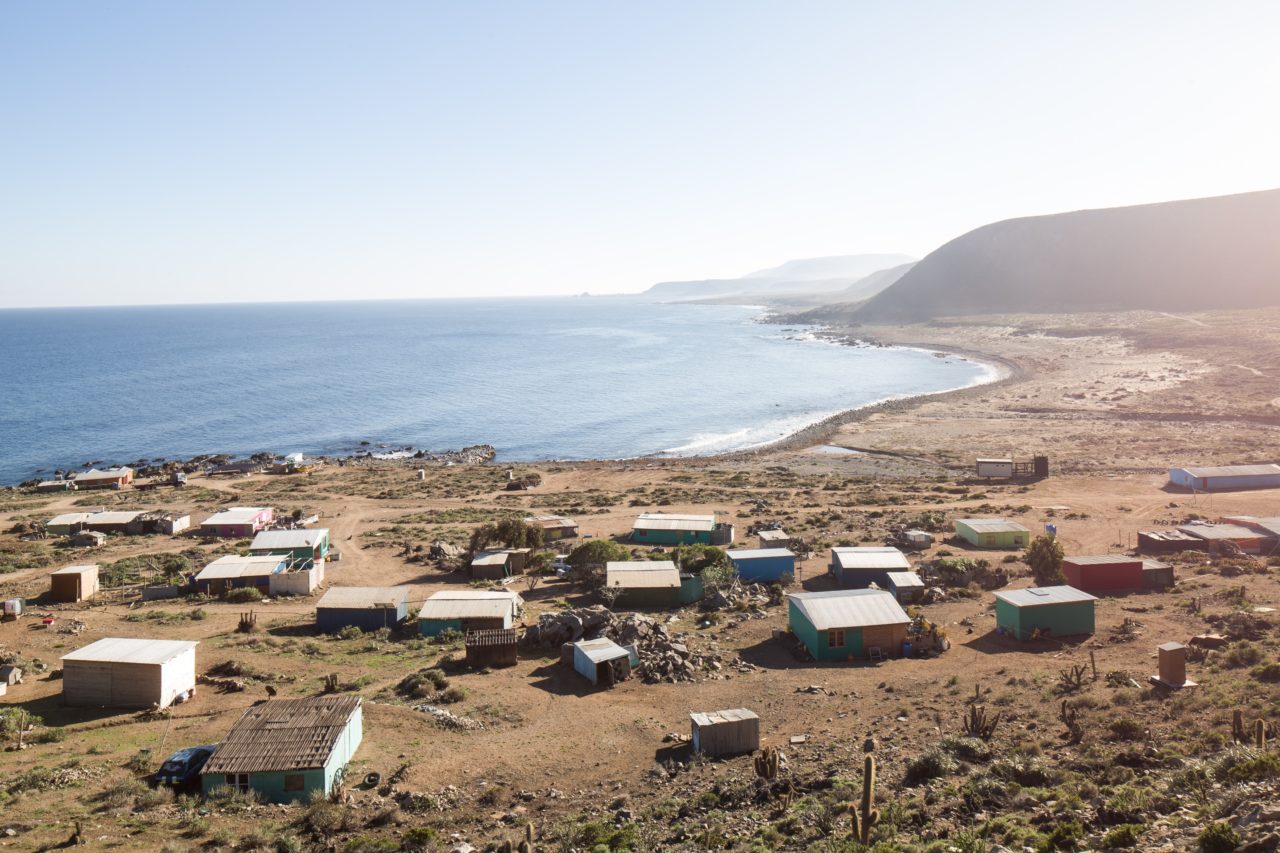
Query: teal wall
[1061, 620]
[270, 786]
[691, 589]
[432, 627]
[671, 537]
[816, 641]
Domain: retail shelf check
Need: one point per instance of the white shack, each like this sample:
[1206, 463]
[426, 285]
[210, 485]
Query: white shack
[731, 732]
[130, 673]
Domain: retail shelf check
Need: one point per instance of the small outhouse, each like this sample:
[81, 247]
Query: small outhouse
[907, 587]
[74, 583]
[492, 647]
[1046, 611]
[602, 662]
[732, 732]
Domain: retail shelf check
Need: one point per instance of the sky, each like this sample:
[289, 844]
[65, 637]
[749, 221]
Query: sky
[266, 151]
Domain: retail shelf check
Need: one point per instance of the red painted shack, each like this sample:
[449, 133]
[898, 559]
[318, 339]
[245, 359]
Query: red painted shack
[1104, 573]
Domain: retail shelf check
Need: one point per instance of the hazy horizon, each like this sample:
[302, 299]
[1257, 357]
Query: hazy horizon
[160, 154]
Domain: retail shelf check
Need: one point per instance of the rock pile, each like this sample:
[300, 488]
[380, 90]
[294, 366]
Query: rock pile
[662, 657]
[449, 720]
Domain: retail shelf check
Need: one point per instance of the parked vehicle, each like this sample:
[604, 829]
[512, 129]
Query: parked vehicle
[182, 769]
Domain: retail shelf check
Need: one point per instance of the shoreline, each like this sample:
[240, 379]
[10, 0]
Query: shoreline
[1002, 370]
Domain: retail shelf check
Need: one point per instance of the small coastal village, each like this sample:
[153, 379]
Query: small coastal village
[791, 652]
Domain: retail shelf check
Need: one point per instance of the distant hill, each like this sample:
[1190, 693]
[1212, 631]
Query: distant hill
[1199, 254]
[865, 288]
[809, 275]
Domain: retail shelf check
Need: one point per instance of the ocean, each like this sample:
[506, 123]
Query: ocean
[548, 378]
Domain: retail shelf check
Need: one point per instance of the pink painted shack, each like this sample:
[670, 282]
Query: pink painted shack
[237, 522]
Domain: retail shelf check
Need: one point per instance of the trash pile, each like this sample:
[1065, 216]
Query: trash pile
[662, 658]
[449, 720]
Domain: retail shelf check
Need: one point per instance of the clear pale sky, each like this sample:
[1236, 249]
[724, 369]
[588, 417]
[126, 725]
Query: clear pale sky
[243, 151]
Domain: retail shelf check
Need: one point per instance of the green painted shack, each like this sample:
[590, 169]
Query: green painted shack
[993, 533]
[845, 624]
[288, 750]
[643, 584]
[303, 547]
[464, 610]
[1054, 611]
[663, 528]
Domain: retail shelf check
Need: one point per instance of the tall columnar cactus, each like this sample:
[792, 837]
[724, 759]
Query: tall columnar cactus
[1260, 734]
[865, 815]
[767, 764]
[1237, 726]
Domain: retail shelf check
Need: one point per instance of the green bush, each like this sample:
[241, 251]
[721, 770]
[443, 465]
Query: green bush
[350, 632]
[1219, 838]
[1064, 836]
[1268, 672]
[966, 748]
[931, 764]
[1124, 835]
[1242, 655]
[1127, 729]
[244, 595]
[1260, 768]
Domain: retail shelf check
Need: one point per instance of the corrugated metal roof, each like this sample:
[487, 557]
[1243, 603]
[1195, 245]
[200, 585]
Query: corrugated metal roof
[547, 521]
[490, 558]
[1002, 460]
[233, 566]
[642, 574]
[730, 715]
[126, 650]
[77, 570]
[68, 518]
[105, 474]
[773, 536]
[1037, 596]
[672, 521]
[601, 650]
[363, 597]
[1101, 560]
[849, 608]
[479, 605]
[112, 517]
[758, 553]
[1174, 535]
[284, 734]
[904, 579]
[1219, 531]
[992, 525]
[1267, 470]
[870, 558]
[234, 515]
[288, 539]
[1267, 524]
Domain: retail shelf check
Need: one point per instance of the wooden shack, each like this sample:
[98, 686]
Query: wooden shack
[129, 673]
[492, 647]
[74, 583]
[732, 732]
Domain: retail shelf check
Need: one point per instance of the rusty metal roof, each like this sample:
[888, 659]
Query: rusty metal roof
[1101, 560]
[285, 734]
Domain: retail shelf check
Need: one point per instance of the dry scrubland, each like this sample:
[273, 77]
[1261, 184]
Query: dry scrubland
[1112, 400]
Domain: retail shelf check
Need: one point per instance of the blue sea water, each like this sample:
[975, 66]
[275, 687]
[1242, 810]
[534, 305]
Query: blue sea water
[550, 378]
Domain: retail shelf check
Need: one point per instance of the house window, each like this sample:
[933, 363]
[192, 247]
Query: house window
[835, 639]
[239, 781]
[293, 782]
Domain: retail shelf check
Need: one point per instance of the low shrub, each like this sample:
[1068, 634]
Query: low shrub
[1126, 728]
[1268, 672]
[1124, 835]
[931, 764]
[244, 595]
[1218, 837]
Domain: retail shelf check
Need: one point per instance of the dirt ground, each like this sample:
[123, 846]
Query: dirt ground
[1110, 404]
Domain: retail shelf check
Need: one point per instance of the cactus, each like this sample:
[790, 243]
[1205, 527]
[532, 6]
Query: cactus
[864, 815]
[1237, 726]
[1071, 719]
[1260, 734]
[331, 683]
[767, 763]
[978, 724]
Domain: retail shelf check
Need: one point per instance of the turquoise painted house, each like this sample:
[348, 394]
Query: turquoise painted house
[289, 749]
[1055, 611]
[663, 528]
[304, 547]
[846, 624]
